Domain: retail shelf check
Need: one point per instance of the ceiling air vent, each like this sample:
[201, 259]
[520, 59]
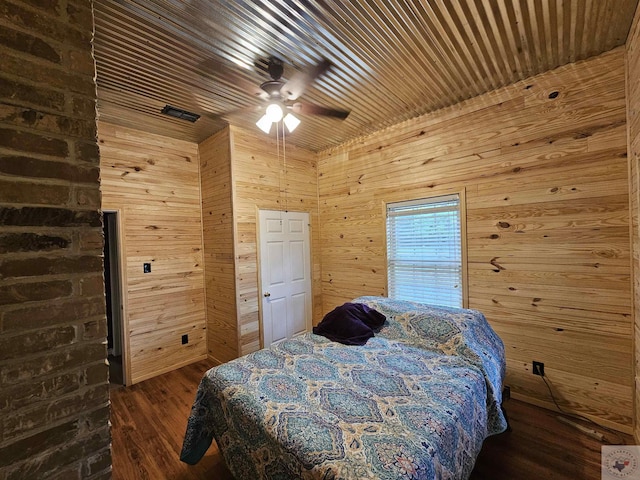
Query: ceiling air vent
[179, 113]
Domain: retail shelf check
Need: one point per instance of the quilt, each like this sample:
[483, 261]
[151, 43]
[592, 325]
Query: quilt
[415, 402]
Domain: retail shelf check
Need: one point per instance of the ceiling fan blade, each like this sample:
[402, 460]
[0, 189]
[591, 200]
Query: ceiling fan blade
[232, 113]
[298, 83]
[220, 72]
[311, 109]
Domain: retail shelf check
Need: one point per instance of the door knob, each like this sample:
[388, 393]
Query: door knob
[266, 294]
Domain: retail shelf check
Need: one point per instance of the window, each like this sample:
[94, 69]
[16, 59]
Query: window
[424, 251]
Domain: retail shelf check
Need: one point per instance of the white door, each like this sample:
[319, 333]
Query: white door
[285, 274]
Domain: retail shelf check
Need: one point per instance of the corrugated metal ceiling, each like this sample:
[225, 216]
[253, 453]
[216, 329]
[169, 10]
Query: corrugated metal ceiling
[391, 60]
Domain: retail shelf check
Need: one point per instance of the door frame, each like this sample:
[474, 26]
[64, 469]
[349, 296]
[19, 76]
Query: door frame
[121, 282]
[259, 267]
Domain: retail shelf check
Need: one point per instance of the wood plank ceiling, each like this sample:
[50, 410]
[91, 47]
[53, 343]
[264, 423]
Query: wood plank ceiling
[391, 60]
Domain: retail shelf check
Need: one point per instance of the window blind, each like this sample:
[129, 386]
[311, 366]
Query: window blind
[424, 251]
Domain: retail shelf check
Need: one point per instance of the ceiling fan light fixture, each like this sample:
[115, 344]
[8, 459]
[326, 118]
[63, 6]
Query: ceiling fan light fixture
[291, 121]
[264, 124]
[274, 112]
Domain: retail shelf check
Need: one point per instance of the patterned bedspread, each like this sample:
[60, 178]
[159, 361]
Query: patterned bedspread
[415, 402]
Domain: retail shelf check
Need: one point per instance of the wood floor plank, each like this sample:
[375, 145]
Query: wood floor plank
[149, 420]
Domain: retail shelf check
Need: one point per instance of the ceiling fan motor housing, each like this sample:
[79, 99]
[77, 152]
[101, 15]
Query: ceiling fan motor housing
[272, 87]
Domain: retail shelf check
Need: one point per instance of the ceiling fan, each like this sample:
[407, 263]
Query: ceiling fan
[282, 96]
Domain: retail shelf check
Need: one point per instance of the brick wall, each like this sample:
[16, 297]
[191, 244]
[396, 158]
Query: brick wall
[54, 398]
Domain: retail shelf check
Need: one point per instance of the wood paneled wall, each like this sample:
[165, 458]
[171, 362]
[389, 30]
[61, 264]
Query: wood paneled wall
[633, 123]
[218, 233]
[544, 166]
[153, 182]
[260, 182]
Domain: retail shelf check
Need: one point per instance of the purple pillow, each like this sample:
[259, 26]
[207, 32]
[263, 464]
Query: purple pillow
[350, 324]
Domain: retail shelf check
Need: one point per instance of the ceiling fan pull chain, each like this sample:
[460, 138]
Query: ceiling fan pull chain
[284, 156]
[278, 158]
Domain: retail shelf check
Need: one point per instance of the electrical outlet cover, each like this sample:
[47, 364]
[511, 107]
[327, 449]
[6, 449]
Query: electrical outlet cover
[538, 368]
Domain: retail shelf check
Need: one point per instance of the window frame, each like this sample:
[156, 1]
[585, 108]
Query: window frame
[463, 232]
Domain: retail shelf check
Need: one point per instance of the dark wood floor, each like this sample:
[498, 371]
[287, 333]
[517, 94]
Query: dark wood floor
[149, 420]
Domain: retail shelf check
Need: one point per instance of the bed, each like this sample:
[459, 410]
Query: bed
[415, 402]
